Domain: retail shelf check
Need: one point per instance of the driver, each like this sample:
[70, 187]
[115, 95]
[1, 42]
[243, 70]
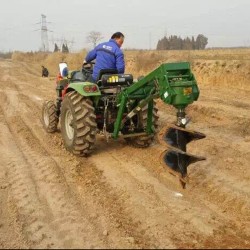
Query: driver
[108, 55]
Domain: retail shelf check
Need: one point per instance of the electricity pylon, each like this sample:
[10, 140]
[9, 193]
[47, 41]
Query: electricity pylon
[44, 35]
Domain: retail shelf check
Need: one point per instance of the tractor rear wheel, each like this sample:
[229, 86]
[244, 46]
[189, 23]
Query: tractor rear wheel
[49, 117]
[78, 124]
[141, 123]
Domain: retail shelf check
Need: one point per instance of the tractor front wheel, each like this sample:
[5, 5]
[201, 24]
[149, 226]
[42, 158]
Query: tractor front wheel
[78, 124]
[49, 117]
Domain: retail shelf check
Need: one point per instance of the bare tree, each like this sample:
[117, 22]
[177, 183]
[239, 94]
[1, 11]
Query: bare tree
[94, 37]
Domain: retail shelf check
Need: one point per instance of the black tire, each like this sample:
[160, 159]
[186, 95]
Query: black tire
[49, 117]
[145, 140]
[78, 124]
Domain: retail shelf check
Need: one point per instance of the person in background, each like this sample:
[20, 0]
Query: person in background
[45, 72]
[107, 55]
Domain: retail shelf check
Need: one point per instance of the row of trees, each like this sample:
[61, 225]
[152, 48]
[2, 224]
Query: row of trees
[65, 48]
[177, 43]
[170, 43]
[166, 43]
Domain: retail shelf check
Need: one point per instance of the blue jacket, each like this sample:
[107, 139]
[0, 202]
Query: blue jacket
[108, 55]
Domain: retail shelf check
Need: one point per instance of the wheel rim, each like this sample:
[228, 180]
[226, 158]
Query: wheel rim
[68, 124]
[46, 117]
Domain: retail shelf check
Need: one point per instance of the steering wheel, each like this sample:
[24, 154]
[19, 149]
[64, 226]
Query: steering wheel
[88, 66]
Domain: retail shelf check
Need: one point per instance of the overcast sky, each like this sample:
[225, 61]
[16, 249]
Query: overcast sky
[226, 23]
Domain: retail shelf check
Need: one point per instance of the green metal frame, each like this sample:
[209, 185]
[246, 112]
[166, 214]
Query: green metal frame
[174, 83]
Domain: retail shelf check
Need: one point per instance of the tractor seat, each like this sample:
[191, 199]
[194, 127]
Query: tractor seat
[110, 78]
[105, 71]
[114, 80]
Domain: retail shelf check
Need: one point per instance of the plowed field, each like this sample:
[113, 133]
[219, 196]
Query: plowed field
[120, 196]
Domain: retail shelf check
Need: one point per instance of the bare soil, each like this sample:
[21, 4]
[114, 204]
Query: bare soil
[120, 196]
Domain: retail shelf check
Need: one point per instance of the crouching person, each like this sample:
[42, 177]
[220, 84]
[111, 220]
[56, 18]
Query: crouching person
[45, 72]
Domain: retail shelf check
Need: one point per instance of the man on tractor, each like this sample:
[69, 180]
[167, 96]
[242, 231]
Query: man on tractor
[108, 56]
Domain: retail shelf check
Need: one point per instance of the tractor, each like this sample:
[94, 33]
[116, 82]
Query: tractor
[117, 105]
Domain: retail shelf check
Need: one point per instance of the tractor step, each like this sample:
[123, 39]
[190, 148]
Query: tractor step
[175, 157]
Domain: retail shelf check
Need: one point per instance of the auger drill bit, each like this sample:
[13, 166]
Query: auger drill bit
[179, 137]
[175, 157]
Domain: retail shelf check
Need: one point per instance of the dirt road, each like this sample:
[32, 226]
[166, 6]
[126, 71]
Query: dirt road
[120, 197]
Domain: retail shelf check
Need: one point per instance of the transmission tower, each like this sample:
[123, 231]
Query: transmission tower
[44, 35]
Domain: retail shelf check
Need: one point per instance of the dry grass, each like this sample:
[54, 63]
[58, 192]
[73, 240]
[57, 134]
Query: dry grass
[227, 67]
[51, 60]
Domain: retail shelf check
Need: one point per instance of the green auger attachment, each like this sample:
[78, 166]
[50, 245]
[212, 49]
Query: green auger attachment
[175, 157]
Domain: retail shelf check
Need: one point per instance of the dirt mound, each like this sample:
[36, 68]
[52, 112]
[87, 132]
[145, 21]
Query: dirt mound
[227, 68]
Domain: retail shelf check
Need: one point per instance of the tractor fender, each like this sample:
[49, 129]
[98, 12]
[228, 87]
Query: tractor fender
[84, 88]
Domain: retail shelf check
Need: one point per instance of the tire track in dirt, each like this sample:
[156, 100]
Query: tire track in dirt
[53, 191]
[92, 183]
[23, 192]
[10, 231]
[45, 173]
